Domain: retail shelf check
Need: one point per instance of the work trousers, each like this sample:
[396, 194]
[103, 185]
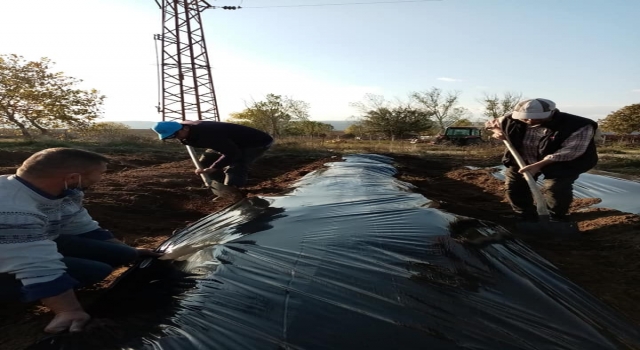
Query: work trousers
[558, 193]
[237, 173]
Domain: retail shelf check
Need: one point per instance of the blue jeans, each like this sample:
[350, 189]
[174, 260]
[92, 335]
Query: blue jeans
[88, 261]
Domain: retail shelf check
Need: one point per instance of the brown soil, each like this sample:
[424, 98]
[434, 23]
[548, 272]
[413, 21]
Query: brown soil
[144, 198]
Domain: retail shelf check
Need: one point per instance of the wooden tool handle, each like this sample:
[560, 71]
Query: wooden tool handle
[205, 177]
[541, 203]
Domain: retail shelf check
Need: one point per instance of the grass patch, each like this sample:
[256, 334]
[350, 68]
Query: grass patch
[386, 146]
[612, 159]
[630, 166]
[612, 150]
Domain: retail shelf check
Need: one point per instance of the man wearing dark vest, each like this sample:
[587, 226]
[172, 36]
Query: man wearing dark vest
[230, 147]
[558, 145]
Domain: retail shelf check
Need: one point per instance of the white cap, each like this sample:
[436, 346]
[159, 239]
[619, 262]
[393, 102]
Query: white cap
[537, 108]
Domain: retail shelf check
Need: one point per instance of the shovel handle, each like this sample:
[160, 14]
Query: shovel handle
[205, 177]
[541, 202]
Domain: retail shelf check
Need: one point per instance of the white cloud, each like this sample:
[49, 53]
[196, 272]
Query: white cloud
[449, 79]
[482, 87]
[635, 90]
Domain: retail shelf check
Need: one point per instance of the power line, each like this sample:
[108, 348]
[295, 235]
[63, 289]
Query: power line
[337, 4]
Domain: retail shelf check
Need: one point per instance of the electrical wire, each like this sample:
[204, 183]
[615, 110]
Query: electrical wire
[339, 4]
[159, 71]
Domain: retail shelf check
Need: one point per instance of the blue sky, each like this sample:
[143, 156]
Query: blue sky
[583, 54]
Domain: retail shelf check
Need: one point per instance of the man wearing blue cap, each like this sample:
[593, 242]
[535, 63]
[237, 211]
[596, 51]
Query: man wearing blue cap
[230, 147]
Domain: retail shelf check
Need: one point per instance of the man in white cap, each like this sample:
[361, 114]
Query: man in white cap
[556, 144]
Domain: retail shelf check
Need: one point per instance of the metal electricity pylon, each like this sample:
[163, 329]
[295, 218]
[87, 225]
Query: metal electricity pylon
[185, 72]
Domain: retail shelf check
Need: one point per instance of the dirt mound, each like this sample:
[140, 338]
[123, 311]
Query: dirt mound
[11, 160]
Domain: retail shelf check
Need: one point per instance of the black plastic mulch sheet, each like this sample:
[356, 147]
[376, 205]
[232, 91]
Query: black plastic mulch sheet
[350, 259]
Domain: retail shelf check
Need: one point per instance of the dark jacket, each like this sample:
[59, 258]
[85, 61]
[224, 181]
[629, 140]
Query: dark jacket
[226, 138]
[562, 125]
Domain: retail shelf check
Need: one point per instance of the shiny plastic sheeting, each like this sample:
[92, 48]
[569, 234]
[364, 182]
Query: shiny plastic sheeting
[615, 191]
[351, 259]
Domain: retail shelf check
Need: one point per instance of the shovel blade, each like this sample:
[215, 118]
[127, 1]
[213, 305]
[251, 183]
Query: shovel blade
[549, 229]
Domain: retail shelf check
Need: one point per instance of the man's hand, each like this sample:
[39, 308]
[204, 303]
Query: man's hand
[69, 313]
[535, 168]
[74, 321]
[531, 168]
[142, 252]
[497, 134]
[494, 126]
[206, 171]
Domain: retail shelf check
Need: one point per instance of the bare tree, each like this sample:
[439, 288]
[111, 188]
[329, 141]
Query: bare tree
[370, 102]
[496, 106]
[442, 107]
[299, 110]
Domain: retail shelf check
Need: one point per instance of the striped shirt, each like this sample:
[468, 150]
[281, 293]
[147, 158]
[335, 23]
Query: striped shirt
[30, 221]
[573, 147]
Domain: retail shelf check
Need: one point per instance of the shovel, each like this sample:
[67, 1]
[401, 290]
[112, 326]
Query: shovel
[545, 227]
[216, 187]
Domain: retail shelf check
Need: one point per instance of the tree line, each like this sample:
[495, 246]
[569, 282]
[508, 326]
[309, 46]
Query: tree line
[33, 97]
[423, 112]
[281, 116]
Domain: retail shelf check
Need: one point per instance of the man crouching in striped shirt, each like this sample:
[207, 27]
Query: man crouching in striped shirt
[49, 244]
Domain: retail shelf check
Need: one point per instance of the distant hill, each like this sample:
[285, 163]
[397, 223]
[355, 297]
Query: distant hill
[136, 124]
[338, 125]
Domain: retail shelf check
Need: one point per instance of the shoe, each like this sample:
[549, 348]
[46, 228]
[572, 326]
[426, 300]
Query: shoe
[560, 218]
[528, 217]
[233, 193]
